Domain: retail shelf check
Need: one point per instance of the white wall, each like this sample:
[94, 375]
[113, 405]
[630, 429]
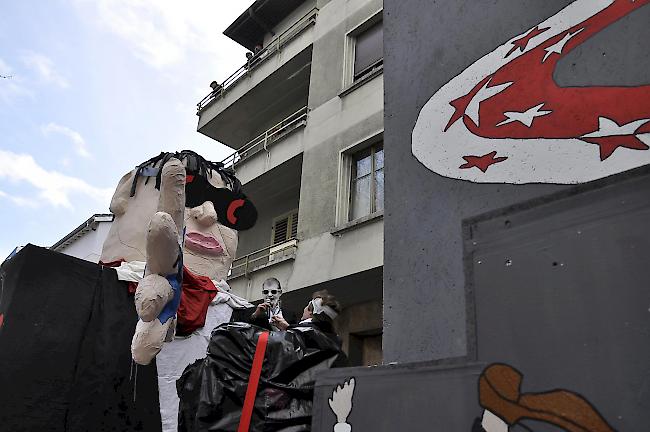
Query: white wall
[89, 246]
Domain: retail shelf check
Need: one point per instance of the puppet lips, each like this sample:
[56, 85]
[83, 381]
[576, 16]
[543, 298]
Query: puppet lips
[203, 243]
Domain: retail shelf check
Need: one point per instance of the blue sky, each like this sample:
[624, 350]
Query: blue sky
[90, 88]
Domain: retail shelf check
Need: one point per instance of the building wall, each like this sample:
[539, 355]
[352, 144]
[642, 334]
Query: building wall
[335, 123]
[304, 171]
[89, 246]
[519, 283]
[427, 45]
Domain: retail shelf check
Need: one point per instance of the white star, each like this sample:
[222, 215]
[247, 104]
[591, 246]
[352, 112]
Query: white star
[608, 127]
[484, 93]
[524, 117]
[558, 46]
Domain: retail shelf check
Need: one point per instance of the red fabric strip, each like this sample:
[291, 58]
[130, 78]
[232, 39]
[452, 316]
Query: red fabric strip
[253, 381]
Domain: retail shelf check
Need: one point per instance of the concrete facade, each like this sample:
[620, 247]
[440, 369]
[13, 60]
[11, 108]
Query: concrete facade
[306, 168]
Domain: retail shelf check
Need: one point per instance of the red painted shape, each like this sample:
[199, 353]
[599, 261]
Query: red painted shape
[461, 103]
[253, 382]
[230, 213]
[2, 320]
[522, 42]
[610, 143]
[482, 162]
[575, 111]
[189, 178]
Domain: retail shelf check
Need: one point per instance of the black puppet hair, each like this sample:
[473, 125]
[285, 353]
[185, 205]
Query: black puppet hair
[195, 164]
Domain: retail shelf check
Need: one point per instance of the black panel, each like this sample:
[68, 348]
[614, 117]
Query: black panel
[65, 361]
[561, 293]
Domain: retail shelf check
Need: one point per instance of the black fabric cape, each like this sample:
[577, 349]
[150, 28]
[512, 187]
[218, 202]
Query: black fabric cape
[212, 390]
[65, 359]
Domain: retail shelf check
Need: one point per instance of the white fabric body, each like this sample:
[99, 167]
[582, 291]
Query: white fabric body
[181, 352]
[130, 271]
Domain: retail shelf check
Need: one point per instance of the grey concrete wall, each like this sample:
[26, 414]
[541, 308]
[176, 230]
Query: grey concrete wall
[426, 44]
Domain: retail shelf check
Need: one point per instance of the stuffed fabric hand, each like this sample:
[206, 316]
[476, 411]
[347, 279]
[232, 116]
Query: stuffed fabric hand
[158, 294]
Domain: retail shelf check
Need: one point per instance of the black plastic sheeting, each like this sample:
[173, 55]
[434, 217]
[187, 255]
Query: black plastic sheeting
[65, 359]
[212, 390]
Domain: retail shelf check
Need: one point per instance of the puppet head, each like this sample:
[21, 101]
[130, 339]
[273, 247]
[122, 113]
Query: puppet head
[215, 209]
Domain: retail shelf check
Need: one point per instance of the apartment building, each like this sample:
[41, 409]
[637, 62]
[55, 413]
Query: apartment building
[304, 117]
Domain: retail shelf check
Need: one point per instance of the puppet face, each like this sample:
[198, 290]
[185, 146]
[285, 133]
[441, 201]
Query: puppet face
[271, 292]
[209, 246]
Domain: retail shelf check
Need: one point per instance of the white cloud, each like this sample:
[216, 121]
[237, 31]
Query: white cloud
[53, 187]
[44, 68]
[163, 32]
[12, 85]
[19, 201]
[73, 135]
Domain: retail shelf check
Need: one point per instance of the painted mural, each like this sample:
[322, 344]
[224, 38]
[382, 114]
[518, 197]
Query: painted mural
[506, 406]
[505, 120]
[341, 405]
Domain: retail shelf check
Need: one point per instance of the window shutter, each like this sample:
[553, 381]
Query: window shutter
[285, 228]
[280, 230]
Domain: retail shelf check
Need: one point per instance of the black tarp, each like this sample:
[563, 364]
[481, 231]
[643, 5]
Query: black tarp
[65, 360]
[212, 390]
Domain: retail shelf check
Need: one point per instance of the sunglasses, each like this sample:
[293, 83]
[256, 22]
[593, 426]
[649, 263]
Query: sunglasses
[265, 292]
[234, 210]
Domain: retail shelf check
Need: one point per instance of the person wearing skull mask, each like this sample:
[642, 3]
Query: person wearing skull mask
[267, 313]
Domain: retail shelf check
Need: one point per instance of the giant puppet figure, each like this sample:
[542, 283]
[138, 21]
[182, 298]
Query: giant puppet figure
[174, 238]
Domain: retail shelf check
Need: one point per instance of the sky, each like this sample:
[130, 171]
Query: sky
[91, 88]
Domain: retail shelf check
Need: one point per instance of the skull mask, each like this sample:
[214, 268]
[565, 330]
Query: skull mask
[271, 292]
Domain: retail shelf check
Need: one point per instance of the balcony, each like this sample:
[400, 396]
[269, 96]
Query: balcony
[272, 83]
[262, 258]
[247, 161]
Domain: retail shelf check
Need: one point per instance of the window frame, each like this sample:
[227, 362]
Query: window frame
[349, 53]
[346, 158]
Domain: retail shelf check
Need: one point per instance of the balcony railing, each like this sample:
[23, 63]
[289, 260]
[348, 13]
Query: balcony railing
[264, 140]
[275, 253]
[260, 57]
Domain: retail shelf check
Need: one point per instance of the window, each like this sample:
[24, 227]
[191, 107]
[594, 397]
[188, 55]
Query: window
[366, 182]
[364, 51]
[368, 50]
[285, 228]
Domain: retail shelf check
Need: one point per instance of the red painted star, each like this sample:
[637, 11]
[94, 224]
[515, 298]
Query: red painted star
[460, 104]
[610, 143]
[522, 42]
[482, 162]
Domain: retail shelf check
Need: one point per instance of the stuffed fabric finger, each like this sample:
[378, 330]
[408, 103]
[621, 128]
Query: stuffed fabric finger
[159, 297]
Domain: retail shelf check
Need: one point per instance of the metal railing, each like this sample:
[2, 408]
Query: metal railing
[268, 137]
[248, 263]
[260, 57]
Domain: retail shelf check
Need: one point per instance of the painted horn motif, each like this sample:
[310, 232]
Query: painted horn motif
[505, 120]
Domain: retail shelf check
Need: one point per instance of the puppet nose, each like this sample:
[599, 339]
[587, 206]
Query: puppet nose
[205, 214]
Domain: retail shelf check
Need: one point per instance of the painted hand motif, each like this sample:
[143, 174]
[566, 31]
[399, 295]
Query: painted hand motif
[341, 405]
